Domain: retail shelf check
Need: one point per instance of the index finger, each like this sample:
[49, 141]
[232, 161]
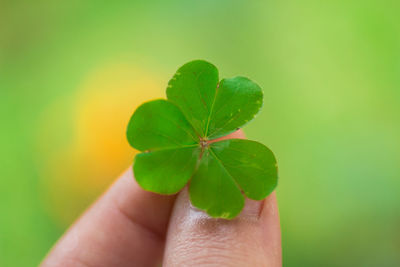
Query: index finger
[126, 225]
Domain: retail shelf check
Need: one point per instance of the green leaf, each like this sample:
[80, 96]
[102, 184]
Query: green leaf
[214, 109]
[166, 171]
[175, 135]
[251, 164]
[193, 89]
[237, 101]
[159, 124]
[214, 190]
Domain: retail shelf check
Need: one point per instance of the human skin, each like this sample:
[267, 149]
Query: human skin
[128, 226]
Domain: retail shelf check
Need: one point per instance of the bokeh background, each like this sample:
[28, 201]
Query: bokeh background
[72, 73]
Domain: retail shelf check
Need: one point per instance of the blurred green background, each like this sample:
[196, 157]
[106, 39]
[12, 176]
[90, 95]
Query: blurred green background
[72, 72]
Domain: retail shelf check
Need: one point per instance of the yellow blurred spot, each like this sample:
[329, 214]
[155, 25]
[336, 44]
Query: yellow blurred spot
[82, 143]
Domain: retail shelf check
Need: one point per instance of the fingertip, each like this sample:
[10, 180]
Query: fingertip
[239, 134]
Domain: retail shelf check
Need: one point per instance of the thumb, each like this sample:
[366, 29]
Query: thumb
[251, 239]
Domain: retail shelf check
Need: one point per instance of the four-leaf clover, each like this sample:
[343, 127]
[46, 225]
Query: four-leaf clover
[174, 137]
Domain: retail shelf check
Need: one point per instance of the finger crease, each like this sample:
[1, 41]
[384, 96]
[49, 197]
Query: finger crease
[133, 220]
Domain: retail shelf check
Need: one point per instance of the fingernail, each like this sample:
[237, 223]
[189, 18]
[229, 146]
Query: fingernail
[252, 210]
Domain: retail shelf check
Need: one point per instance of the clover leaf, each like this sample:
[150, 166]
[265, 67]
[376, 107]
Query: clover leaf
[175, 136]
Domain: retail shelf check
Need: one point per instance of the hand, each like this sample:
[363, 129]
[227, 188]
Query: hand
[128, 226]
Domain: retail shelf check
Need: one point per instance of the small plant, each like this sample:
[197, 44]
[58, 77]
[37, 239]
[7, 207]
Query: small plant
[175, 137]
